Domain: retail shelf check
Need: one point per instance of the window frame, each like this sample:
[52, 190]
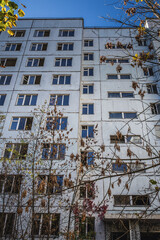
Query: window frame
[56, 151]
[89, 88]
[5, 60]
[5, 224]
[18, 123]
[36, 33]
[69, 31]
[28, 79]
[59, 76]
[12, 151]
[43, 47]
[5, 79]
[88, 55]
[45, 188]
[123, 115]
[61, 60]
[58, 124]
[24, 96]
[55, 99]
[10, 45]
[88, 43]
[87, 108]
[2, 99]
[88, 71]
[33, 62]
[118, 76]
[68, 45]
[10, 181]
[17, 32]
[88, 130]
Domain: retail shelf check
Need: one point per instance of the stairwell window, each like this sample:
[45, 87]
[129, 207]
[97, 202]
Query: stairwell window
[87, 190]
[59, 100]
[88, 56]
[88, 71]
[63, 62]
[21, 123]
[13, 47]
[87, 131]
[5, 79]
[87, 158]
[88, 108]
[88, 89]
[88, 43]
[148, 71]
[118, 76]
[122, 115]
[35, 62]
[39, 46]
[152, 88]
[120, 94]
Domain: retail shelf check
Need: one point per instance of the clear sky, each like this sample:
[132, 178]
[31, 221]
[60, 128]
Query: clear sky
[91, 10]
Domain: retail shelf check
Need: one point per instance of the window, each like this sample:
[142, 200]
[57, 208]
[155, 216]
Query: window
[88, 108]
[2, 99]
[21, 123]
[140, 200]
[157, 131]
[18, 33]
[31, 79]
[13, 47]
[35, 62]
[148, 71]
[63, 62]
[59, 100]
[51, 184]
[88, 57]
[152, 88]
[61, 79]
[114, 115]
[87, 190]
[86, 228]
[8, 62]
[87, 131]
[5, 79]
[16, 151]
[122, 167]
[65, 46]
[88, 71]
[155, 108]
[124, 115]
[42, 33]
[10, 183]
[122, 200]
[120, 94]
[88, 89]
[117, 60]
[88, 43]
[118, 46]
[87, 158]
[39, 46]
[118, 76]
[115, 139]
[53, 151]
[142, 42]
[136, 139]
[56, 123]
[45, 224]
[6, 224]
[66, 33]
[26, 100]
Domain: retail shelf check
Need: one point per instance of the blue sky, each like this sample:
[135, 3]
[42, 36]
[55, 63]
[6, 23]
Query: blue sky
[91, 10]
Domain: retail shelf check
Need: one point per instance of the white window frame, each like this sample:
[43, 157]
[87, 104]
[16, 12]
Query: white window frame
[24, 98]
[10, 45]
[68, 32]
[36, 33]
[37, 45]
[5, 223]
[118, 76]
[5, 80]
[88, 56]
[62, 46]
[28, 80]
[86, 86]
[60, 62]
[12, 149]
[17, 31]
[32, 60]
[86, 42]
[18, 121]
[121, 94]
[58, 78]
[55, 96]
[13, 183]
